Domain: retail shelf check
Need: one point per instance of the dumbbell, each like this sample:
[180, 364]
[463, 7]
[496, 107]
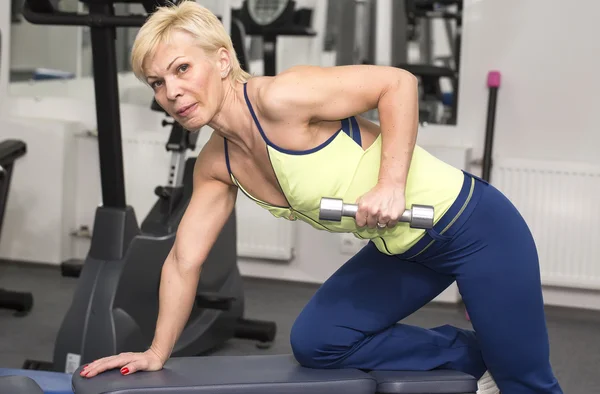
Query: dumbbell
[418, 216]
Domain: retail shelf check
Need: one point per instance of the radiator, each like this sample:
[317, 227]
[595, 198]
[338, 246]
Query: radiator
[561, 204]
[260, 234]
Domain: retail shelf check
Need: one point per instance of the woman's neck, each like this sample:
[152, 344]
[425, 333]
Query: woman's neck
[233, 120]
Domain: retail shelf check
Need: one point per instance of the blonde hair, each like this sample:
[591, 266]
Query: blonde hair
[190, 17]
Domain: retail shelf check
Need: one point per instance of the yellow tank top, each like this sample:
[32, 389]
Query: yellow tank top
[341, 168]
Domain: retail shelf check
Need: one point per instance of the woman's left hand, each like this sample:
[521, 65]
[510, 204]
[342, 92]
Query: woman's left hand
[381, 207]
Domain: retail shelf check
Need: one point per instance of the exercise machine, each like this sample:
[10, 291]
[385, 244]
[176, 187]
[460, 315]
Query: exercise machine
[10, 151]
[435, 105]
[270, 19]
[115, 305]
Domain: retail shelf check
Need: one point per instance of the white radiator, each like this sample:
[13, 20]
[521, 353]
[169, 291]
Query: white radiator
[561, 204]
[260, 234]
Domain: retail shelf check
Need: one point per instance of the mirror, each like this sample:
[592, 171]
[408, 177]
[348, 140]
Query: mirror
[43, 57]
[424, 39]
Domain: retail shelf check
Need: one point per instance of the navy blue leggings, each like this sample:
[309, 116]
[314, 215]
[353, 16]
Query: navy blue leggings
[484, 245]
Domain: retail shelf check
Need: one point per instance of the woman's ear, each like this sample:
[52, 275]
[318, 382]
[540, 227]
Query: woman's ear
[223, 62]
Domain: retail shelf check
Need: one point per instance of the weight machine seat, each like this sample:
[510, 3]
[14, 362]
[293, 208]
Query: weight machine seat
[267, 374]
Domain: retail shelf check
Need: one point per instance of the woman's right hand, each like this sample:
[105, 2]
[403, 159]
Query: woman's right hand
[127, 362]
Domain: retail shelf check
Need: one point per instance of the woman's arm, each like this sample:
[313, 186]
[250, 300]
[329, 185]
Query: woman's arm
[311, 93]
[212, 202]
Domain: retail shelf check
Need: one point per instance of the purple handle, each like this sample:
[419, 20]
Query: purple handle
[493, 79]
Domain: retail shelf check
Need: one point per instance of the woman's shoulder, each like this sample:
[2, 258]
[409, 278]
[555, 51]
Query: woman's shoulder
[279, 96]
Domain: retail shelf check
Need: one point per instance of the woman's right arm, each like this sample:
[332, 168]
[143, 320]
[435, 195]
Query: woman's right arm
[209, 209]
[211, 204]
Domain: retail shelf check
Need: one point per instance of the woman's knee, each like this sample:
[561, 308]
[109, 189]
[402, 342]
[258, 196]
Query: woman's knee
[303, 345]
[306, 343]
[317, 345]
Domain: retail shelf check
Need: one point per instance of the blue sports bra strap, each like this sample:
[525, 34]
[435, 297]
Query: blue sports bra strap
[249, 104]
[355, 131]
[346, 126]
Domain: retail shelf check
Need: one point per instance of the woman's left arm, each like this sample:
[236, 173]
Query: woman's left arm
[316, 93]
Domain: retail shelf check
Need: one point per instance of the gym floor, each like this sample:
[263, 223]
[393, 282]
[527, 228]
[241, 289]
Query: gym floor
[574, 334]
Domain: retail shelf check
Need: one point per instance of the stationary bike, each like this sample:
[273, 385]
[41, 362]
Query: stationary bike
[115, 305]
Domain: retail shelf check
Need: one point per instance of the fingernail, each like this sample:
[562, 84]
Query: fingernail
[124, 371]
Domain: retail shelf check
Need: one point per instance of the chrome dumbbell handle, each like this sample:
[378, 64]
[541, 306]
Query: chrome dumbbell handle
[333, 209]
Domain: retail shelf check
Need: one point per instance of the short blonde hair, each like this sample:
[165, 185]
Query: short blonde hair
[190, 17]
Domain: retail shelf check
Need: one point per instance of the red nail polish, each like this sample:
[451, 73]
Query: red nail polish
[124, 371]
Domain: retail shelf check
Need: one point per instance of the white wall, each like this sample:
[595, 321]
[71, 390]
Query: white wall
[38, 217]
[548, 57]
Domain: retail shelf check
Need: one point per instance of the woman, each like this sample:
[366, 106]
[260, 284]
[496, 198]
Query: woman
[287, 141]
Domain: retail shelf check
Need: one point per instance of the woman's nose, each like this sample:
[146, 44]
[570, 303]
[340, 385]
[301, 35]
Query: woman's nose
[173, 90]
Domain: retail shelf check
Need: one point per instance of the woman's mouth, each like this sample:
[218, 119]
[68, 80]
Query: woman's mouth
[186, 110]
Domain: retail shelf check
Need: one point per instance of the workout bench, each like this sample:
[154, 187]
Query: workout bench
[270, 374]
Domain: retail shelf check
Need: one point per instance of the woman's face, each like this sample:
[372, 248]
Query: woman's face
[187, 83]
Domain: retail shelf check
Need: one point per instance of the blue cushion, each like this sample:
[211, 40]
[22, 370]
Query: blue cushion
[50, 382]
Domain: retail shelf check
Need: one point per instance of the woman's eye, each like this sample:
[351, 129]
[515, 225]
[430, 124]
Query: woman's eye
[183, 68]
[155, 84]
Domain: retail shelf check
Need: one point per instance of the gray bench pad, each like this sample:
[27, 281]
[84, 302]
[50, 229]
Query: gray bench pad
[424, 382]
[266, 374]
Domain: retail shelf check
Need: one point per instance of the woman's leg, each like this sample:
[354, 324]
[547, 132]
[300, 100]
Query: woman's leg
[495, 261]
[352, 320]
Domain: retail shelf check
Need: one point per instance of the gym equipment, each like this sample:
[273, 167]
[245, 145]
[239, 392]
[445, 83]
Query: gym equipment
[115, 305]
[431, 96]
[493, 83]
[419, 216]
[10, 151]
[269, 19]
[274, 374]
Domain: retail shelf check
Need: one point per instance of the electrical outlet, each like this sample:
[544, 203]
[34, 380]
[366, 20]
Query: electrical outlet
[349, 244]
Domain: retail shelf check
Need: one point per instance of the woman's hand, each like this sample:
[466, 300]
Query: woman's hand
[381, 207]
[128, 362]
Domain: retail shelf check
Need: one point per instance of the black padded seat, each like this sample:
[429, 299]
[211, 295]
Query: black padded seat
[267, 374]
